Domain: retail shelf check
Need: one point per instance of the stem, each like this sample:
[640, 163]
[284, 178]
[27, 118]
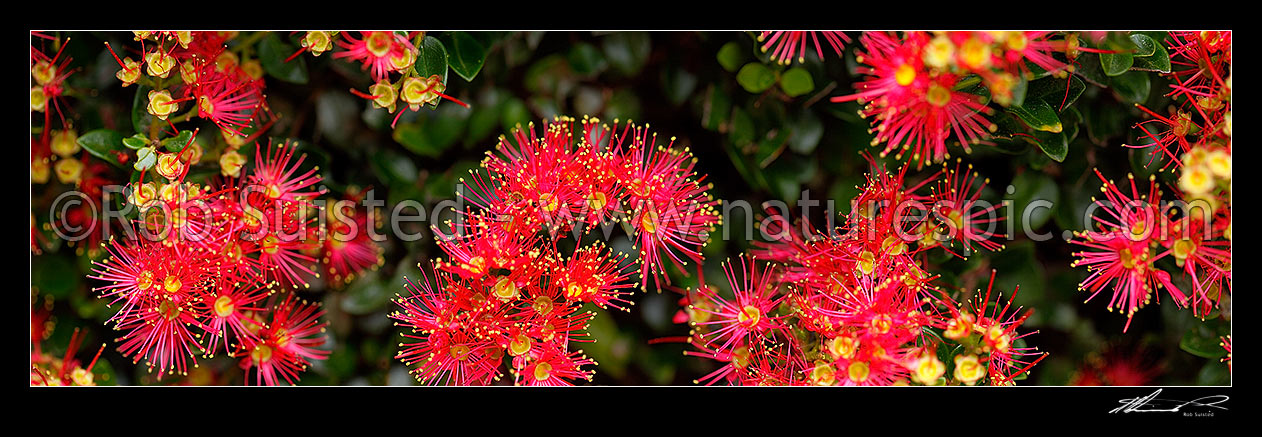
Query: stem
[249, 41]
[185, 116]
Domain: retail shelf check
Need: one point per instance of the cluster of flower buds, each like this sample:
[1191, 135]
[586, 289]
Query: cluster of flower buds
[916, 85]
[384, 54]
[1137, 230]
[50, 76]
[859, 306]
[223, 87]
[212, 264]
[56, 152]
[73, 167]
[507, 289]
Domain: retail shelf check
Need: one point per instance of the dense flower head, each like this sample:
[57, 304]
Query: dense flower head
[509, 295]
[1122, 253]
[204, 270]
[857, 307]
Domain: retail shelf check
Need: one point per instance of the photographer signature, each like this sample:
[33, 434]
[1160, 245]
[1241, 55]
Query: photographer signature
[1151, 404]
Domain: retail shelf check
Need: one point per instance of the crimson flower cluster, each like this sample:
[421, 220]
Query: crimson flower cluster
[860, 307]
[506, 287]
[212, 267]
[916, 85]
[1135, 230]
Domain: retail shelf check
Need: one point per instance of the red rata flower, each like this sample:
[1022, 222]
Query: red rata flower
[552, 367]
[287, 343]
[670, 211]
[481, 244]
[1199, 62]
[66, 371]
[998, 333]
[50, 79]
[788, 43]
[957, 206]
[229, 100]
[229, 311]
[348, 247]
[277, 179]
[594, 275]
[378, 51]
[536, 178]
[452, 356]
[913, 109]
[747, 314]
[1124, 254]
[160, 330]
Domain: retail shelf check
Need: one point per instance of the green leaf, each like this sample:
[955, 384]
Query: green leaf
[177, 143]
[1144, 45]
[623, 104]
[1031, 186]
[742, 132]
[1159, 61]
[1038, 114]
[393, 168]
[1203, 339]
[272, 53]
[53, 275]
[515, 114]
[717, 108]
[585, 59]
[756, 77]
[731, 56]
[1090, 70]
[797, 81]
[466, 55]
[431, 60]
[1055, 145]
[1116, 63]
[136, 141]
[769, 149]
[627, 52]
[678, 84]
[145, 158]
[807, 132]
[105, 144]
[1052, 90]
[1155, 63]
[1133, 86]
